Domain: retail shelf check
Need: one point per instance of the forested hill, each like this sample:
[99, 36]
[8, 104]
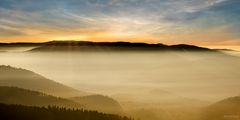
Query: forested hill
[19, 112]
[11, 76]
[14, 95]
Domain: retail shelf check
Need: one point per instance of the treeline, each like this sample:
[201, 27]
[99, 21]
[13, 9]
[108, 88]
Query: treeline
[19, 112]
[14, 95]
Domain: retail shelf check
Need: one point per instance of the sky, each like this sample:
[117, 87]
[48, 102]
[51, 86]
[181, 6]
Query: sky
[200, 22]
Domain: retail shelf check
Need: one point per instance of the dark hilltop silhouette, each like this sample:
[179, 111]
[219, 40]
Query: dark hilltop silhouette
[20, 44]
[112, 46]
[103, 46]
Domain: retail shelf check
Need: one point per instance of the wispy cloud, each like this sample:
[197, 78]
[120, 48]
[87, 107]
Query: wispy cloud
[121, 19]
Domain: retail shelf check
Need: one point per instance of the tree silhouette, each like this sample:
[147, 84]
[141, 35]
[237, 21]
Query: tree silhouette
[19, 112]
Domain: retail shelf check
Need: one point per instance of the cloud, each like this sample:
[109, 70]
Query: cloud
[127, 18]
[9, 32]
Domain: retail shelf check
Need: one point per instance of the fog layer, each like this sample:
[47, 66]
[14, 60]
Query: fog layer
[203, 76]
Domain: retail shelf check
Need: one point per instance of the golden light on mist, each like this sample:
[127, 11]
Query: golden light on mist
[72, 37]
[196, 37]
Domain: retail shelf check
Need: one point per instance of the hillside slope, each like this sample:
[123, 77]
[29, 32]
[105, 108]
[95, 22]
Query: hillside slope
[227, 109]
[100, 103]
[17, 77]
[14, 95]
[10, 76]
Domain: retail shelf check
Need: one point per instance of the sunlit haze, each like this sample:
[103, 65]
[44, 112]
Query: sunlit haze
[199, 22]
[119, 59]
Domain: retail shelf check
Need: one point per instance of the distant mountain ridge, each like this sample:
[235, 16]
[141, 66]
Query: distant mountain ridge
[103, 46]
[112, 46]
[20, 44]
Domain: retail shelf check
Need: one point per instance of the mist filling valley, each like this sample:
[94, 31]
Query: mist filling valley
[148, 85]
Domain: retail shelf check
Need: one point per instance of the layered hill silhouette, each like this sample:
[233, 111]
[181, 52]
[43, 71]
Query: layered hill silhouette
[156, 97]
[19, 112]
[100, 103]
[10, 76]
[227, 109]
[22, 78]
[14, 95]
[112, 46]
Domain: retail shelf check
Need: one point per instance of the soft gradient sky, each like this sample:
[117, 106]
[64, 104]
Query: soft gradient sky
[202, 22]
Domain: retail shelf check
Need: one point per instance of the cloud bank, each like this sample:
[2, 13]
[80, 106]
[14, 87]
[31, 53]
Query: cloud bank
[168, 21]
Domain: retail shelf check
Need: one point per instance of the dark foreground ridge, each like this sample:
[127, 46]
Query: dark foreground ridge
[15, 95]
[19, 112]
